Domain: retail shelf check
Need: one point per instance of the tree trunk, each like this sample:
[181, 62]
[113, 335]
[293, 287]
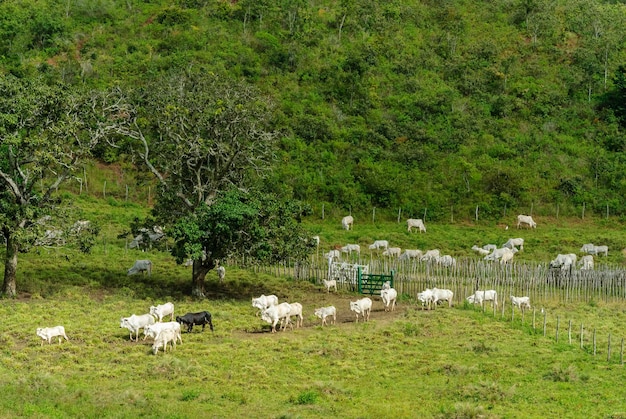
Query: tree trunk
[200, 270]
[10, 268]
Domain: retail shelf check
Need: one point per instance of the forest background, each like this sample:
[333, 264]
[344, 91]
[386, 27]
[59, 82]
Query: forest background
[438, 105]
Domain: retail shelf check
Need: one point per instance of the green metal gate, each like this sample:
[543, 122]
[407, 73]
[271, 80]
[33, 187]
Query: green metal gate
[372, 283]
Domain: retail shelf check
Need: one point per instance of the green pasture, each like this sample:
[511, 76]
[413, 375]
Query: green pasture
[449, 363]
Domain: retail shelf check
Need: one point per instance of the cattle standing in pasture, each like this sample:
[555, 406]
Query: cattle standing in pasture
[142, 266]
[389, 296]
[392, 252]
[163, 310]
[564, 261]
[349, 248]
[264, 301]
[277, 313]
[586, 263]
[153, 330]
[479, 297]
[480, 250]
[362, 307]
[526, 220]
[196, 319]
[347, 222]
[221, 272]
[522, 302]
[446, 260]
[416, 223]
[134, 323]
[332, 283]
[427, 298]
[490, 247]
[379, 244]
[163, 338]
[431, 255]
[592, 249]
[411, 254]
[333, 254]
[47, 333]
[498, 254]
[325, 312]
[153, 235]
[514, 243]
[296, 311]
[442, 295]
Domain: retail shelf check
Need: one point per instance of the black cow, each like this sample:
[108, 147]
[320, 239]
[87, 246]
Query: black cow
[191, 319]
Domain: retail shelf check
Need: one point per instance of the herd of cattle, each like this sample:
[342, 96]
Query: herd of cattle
[490, 252]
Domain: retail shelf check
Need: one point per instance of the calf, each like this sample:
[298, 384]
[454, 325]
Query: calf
[442, 295]
[332, 283]
[347, 222]
[362, 307]
[379, 244]
[521, 302]
[324, 312]
[47, 333]
[166, 336]
[192, 319]
[526, 220]
[479, 297]
[389, 296]
[427, 298]
[153, 330]
[134, 323]
[163, 310]
[221, 273]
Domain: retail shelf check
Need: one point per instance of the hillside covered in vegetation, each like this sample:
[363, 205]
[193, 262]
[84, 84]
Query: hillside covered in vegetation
[408, 104]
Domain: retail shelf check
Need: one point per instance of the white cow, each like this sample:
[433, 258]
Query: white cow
[499, 253]
[296, 311]
[143, 265]
[163, 310]
[163, 338]
[480, 250]
[134, 323]
[332, 283]
[347, 222]
[446, 260]
[392, 252]
[479, 297]
[417, 223]
[427, 298]
[221, 273]
[389, 296]
[514, 243]
[333, 254]
[442, 295]
[324, 312]
[411, 254]
[47, 333]
[527, 220]
[349, 248]
[264, 301]
[522, 302]
[592, 249]
[277, 313]
[431, 255]
[362, 307]
[586, 262]
[153, 330]
[379, 244]
[564, 261]
[490, 247]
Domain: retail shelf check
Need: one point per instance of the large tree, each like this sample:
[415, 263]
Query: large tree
[201, 134]
[44, 135]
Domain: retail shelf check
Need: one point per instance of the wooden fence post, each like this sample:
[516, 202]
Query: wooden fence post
[104, 189]
[581, 336]
[534, 314]
[399, 214]
[621, 353]
[594, 342]
[608, 351]
[322, 211]
[545, 313]
[557, 329]
[373, 215]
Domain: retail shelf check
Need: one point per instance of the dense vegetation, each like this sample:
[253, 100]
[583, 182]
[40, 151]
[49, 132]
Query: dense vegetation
[396, 104]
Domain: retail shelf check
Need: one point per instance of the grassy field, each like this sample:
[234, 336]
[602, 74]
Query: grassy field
[450, 363]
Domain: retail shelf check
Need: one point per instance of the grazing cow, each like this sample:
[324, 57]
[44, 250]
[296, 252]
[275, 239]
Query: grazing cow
[479, 297]
[347, 222]
[442, 295]
[490, 247]
[163, 338]
[411, 254]
[192, 319]
[143, 265]
[592, 249]
[349, 248]
[417, 223]
[564, 261]
[153, 330]
[47, 333]
[277, 313]
[507, 257]
[379, 244]
[427, 298]
[362, 307]
[392, 252]
[221, 272]
[296, 310]
[527, 220]
[333, 254]
[388, 296]
[153, 235]
[330, 284]
[514, 243]
[163, 310]
[431, 255]
[264, 301]
[499, 253]
[135, 323]
[446, 260]
[586, 262]
[480, 250]
[522, 302]
[324, 312]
